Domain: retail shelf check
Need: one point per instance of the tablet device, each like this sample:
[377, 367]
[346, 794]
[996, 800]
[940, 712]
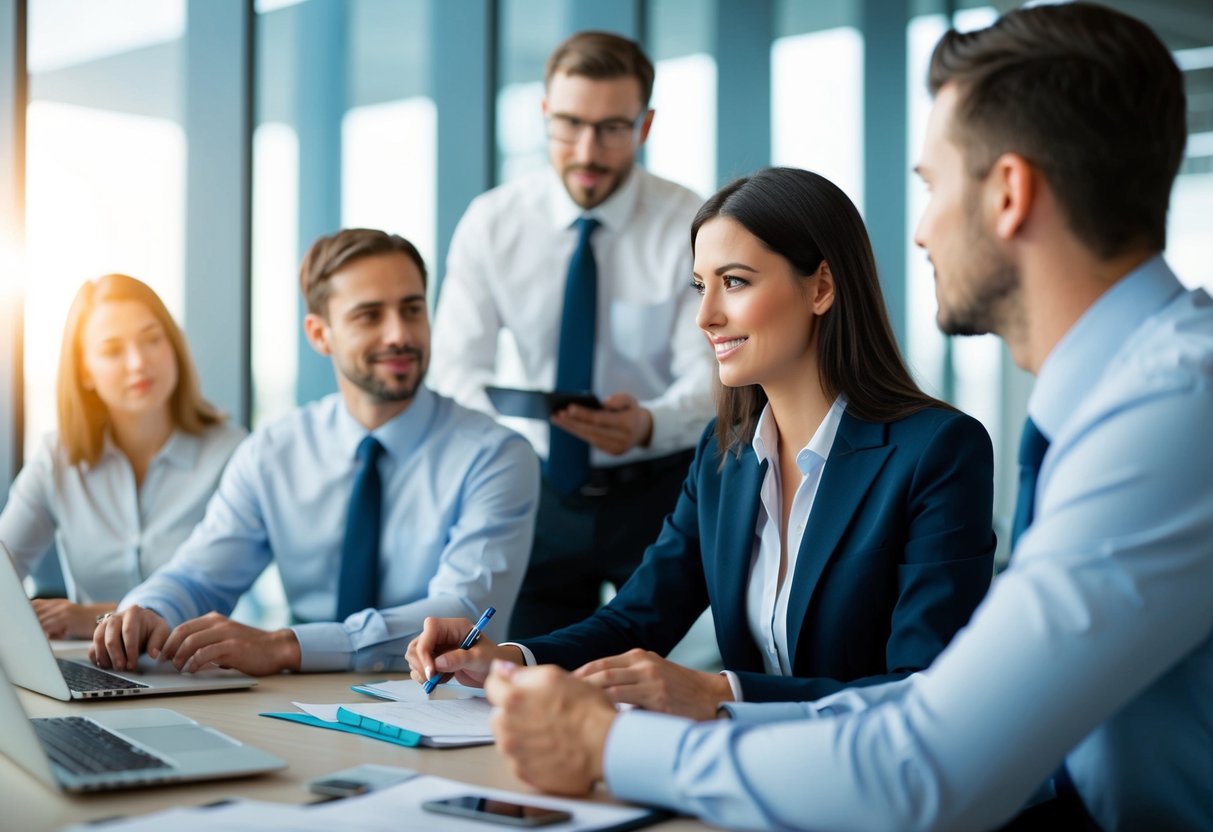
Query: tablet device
[538, 404]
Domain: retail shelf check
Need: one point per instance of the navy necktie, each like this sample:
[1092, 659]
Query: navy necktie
[568, 456]
[1032, 447]
[358, 587]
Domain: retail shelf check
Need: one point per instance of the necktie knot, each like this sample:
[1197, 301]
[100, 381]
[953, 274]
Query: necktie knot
[369, 450]
[1032, 445]
[585, 227]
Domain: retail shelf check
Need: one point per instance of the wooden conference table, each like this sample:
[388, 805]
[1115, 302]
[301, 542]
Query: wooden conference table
[310, 752]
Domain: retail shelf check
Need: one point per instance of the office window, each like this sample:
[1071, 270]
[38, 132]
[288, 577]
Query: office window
[528, 32]
[346, 136]
[1189, 243]
[964, 369]
[105, 167]
[682, 143]
[817, 92]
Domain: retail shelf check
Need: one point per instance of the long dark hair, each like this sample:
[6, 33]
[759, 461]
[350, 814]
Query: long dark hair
[807, 219]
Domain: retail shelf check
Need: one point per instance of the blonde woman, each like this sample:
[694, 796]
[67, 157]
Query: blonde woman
[137, 455]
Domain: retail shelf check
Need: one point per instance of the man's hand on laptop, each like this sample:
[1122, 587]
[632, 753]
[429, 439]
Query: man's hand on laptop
[120, 638]
[216, 639]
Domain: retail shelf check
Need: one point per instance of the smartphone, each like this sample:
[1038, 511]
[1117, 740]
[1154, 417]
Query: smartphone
[359, 780]
[537, 404]
[337, 787]
[496, 811]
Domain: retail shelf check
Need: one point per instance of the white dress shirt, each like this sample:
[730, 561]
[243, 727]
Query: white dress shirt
[458, 514]
[498, 318]
[1095, 646]
[111, 534]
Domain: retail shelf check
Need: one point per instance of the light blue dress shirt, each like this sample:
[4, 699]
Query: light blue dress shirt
[110, 533]
[459, 499]
[1095, 646]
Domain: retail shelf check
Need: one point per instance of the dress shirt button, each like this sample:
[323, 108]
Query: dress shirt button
[378, 667]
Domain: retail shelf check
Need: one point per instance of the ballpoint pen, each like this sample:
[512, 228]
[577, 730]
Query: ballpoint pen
[468, 640]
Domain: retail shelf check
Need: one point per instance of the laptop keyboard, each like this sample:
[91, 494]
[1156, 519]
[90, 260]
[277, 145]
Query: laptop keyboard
[84, 747]
[83, 678]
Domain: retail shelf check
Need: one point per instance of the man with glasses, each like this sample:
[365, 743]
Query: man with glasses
[576, 278]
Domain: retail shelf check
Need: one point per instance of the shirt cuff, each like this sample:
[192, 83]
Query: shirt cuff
[764, 711]
[641, 754]
[161, 606]
[734, 685]
[323, 646]
[668, 434]
[527, 655]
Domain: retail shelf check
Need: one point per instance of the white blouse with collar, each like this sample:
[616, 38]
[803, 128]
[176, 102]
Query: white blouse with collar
[111, 534]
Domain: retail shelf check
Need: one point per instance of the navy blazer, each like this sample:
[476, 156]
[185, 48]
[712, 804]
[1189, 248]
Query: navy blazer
[898, 551]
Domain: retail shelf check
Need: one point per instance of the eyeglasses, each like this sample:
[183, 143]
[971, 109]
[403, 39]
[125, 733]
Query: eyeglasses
[610, 134]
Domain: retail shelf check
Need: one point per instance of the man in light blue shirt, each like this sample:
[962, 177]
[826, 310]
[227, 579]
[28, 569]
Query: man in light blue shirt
[1083, 686]
[456, 515]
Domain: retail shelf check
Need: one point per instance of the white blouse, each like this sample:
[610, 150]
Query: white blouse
[111, 535]
[766, 596]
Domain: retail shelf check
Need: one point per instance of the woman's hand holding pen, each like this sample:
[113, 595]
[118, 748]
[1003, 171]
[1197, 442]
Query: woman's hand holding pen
[646, 680]
[436, 649]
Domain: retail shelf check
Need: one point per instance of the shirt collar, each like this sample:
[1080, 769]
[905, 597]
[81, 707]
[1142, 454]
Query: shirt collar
[1080, 357]
[613, 213]
[816, 452]
[399, 436]
[180, 451]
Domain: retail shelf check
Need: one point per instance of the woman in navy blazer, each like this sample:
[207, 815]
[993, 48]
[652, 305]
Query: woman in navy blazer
[859, 574]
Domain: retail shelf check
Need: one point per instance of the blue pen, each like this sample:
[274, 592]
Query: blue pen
[468, 640]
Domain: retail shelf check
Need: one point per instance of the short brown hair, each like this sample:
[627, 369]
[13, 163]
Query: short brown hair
[328, 255]
[82, 415]
[601, 56]
[1088, 95]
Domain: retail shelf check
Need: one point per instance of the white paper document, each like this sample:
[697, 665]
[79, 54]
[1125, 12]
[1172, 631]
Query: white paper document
[387, 810]
[406, 690]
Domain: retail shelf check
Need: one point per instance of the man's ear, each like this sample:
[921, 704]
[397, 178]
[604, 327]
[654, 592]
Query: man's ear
[1010, 190]
[822, 298]
[317, 331]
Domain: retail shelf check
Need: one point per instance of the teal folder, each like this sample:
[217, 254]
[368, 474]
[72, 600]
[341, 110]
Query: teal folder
[353, 724]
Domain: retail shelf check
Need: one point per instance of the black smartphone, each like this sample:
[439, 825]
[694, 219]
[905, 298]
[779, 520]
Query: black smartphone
[560, 399]
[496, 811]
[337, 787]
[537, 404]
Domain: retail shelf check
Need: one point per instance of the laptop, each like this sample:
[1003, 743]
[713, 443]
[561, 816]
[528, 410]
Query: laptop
[29, 661]
[120, 749]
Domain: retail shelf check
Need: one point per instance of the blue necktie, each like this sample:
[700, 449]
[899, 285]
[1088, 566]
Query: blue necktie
[568, 456]
[359, 584]
[1032, 447]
